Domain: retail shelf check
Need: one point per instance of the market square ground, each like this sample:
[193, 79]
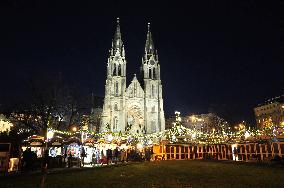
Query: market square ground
[160, 174]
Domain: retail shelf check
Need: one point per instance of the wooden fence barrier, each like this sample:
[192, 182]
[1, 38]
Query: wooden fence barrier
[239, 152]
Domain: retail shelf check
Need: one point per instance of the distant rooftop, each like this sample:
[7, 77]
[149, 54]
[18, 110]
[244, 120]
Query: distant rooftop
[279, 99]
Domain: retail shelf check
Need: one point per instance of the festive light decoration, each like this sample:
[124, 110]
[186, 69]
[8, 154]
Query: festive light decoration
[49, 134]
[177, 134]
[139, 146]
[247, 134]
[110, 137]
[5, 125]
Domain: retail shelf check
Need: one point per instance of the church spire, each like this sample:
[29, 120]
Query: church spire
[149, 46]
[117, 44]
[150, 68]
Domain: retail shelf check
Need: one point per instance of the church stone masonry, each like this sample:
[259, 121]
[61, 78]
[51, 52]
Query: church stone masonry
[139, 107]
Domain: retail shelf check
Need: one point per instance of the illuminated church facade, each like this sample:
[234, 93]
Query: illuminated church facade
[137, 108]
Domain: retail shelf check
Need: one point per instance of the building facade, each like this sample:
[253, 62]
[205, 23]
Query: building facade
[137, 108]
[270, 113]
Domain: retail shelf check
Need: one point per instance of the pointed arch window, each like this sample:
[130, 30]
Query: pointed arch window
[154, 73]
[153, 91]
[123, 70]
[119, 70]
[135, 89]
[115, 123]
[150, 73]
[114, 69]
[116, 88]
[153, 126]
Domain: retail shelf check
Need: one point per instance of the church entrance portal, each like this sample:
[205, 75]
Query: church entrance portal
[135, 120]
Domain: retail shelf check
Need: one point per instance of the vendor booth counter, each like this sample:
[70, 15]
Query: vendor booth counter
[72, 152]
[88, 153]
[55, 152]
[36, 145]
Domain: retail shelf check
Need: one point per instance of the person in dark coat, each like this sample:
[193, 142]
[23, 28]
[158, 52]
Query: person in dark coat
[83, 155]
[45, 160]
[116, 154]
[27, 159]
[69, 159]
[109, 155]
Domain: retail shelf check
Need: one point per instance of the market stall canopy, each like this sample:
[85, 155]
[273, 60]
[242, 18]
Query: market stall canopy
[36, 141]
[56, 141]
[73, 139]
[89, 142]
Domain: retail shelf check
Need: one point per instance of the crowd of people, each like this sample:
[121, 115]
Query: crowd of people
[30, 161]
[124, 155]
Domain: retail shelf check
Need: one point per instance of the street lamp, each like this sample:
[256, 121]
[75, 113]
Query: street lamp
[50, 134]
[74, 129]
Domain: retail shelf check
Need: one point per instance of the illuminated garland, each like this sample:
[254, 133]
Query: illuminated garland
[5, 125]
[178, 134]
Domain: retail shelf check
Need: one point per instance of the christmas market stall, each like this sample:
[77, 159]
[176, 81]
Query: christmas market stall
[35, 144]
[32, 152]
[72, 151]
[88, 153]
[111, 148]
[55, 151]
[104, 151]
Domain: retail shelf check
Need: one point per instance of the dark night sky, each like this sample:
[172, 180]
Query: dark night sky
[225, 55]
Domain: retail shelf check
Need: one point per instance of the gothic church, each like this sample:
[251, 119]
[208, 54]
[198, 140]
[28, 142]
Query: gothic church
[137, 108]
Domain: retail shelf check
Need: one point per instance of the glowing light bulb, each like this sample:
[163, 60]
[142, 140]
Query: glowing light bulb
[139, 145]
[110, 138]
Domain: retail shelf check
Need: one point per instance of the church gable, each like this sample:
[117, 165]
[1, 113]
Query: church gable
[135, 90]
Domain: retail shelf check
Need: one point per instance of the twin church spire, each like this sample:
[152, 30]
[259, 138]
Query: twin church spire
[118, 47]
[117, 63]
[137, 108]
